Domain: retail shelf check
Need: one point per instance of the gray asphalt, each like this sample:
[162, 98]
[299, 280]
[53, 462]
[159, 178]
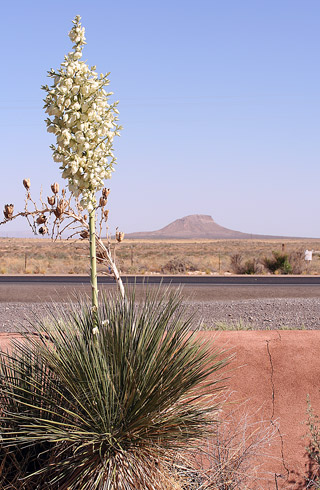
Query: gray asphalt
[157, 279]
[46, 290]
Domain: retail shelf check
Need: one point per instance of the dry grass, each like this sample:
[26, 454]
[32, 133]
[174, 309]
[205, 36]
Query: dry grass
[41, 256]
[235, 458]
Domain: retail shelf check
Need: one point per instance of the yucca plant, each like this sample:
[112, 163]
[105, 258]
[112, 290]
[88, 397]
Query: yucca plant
[17, 370]
[104, 401]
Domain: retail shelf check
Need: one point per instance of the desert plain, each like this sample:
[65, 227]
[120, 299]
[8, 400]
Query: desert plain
[43, 256]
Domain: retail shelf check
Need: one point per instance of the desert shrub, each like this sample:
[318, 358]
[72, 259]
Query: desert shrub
[105, 399]
[279, 262]
[236, 263]
[293, 263]
[232, 460]
[312, 479]
[178, 266]
[251, 266]
[297, 261]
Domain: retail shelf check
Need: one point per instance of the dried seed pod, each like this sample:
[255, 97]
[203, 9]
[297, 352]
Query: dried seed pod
[102, 202]
[100, 257]
[105, 192]
[60, 209]
[106, 214]
[8, 211]
[41, 219]
[43, 230]
[58, 212]
[85, 217]
[27, 183]
[84, 234]
[51, 200]
[119, 236]
[63, 192]
[55, 188]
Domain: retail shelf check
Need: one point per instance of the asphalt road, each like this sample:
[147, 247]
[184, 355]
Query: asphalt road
[31, 289]
[176, 279]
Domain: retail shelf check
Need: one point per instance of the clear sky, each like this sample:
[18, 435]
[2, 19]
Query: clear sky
[219, 100]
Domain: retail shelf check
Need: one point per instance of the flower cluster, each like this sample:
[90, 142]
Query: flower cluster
[83, 121]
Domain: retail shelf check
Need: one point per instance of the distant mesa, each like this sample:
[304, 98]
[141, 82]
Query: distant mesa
[195, 226]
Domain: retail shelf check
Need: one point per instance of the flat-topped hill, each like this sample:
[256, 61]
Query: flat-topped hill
[194, 226]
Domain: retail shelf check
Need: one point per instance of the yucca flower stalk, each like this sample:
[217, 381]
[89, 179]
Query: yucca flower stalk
[84, 123]
[109, 415]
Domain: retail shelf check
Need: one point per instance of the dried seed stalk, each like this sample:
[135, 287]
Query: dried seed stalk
[66, 216]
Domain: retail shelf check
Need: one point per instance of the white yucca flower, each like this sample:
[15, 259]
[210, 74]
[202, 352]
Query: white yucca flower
[82, 120]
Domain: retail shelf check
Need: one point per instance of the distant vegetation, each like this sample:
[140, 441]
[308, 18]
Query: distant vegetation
[41, 256]
[278, 263]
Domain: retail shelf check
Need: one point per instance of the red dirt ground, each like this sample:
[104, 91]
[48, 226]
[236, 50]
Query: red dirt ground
[276, 371]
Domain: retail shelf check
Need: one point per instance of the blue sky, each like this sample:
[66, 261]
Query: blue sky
[219, 100]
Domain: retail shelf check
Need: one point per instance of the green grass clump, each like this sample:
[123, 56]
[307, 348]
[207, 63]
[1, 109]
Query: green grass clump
[225, 326]
[241, 326]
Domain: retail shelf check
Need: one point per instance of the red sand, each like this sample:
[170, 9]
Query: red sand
[275, 370]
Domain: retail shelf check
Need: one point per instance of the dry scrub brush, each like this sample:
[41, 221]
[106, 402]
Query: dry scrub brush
[234, 458]
[311, 480]
[251, 266]
[63, 214]
[279, 262]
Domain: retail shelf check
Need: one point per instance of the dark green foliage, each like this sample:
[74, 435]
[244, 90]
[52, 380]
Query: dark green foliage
[278, 263]
[106, 411]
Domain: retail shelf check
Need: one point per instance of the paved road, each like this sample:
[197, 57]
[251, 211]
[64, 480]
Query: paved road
[157, 279]
[30, 289]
